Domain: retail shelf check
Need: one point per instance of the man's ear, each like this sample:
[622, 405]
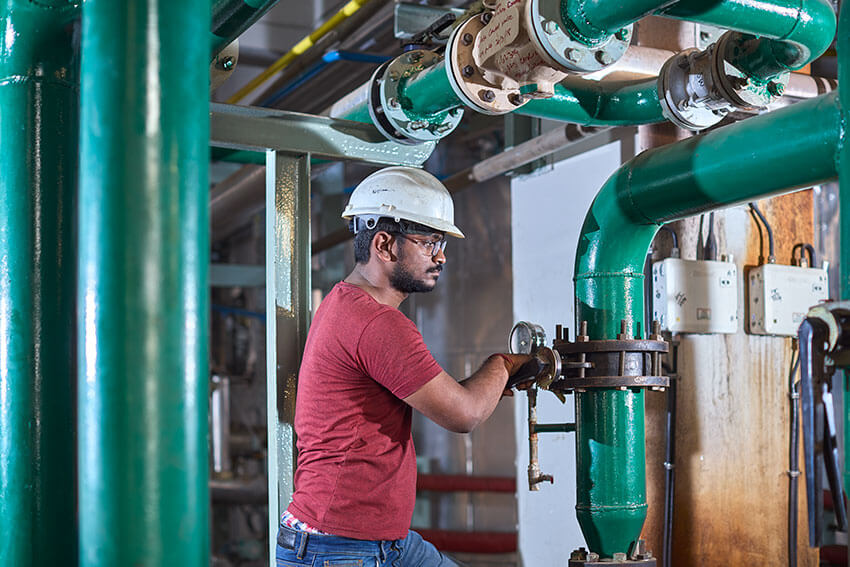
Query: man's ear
[382, 246]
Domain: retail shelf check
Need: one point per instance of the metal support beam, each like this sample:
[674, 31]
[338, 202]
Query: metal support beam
[246, 128]
[288, 297]
[143, 291]
[39, 98]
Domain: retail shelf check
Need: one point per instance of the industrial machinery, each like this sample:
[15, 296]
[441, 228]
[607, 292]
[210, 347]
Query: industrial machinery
[596, 366]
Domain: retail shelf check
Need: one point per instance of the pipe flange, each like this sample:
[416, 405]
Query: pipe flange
[466, 79]
[376, 109]
[678, 92]
[745, 92]
[562, 49]
[422, 128]
[567, 384]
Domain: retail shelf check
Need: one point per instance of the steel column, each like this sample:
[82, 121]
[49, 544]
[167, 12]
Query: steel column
[288, 297]
[790, 148]
[39, 97]
[143, 293]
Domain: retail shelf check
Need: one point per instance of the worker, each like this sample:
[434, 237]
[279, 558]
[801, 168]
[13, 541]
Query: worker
[365, 368]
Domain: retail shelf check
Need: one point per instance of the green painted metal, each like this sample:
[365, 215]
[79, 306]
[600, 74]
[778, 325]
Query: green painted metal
[232, 17]
[237, 156]
[143, 291]
[591, 21]
[428, 95]
[39, 116]
[843, 48]
[790, 148]
[597, 103]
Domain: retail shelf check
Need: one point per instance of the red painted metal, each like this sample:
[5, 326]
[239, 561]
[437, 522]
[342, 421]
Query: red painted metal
[471, 542]
[464, 483]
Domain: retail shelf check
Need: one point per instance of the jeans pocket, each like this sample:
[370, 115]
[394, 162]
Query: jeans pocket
[287, 558]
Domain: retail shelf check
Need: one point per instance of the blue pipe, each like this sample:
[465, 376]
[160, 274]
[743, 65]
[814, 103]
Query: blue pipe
[327, 59]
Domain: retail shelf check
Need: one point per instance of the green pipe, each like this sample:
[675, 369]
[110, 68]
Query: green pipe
[143, 292]
[597, 103]
[843, 48]
[428, 93]
[230, 18]
[39, 97]
[796, 31]
[786, 149]
[591, 21]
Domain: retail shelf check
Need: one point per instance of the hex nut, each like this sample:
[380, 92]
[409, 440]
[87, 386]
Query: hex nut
[468, 71]
[487, 95]
[466, 39]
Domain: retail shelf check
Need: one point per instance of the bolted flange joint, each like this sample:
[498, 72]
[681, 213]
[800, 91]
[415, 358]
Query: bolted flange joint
[697, 89]
[390, 109]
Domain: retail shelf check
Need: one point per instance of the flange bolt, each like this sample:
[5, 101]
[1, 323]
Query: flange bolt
[550, 27]
[487, 95]
[466, 39]
[486, 17]
[468, 71]
[604, 57]
[774, 88]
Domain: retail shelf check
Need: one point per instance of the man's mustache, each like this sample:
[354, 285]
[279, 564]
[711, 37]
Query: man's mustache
[438, 268]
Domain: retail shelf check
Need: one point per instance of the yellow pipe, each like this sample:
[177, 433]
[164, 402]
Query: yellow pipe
[299, 48]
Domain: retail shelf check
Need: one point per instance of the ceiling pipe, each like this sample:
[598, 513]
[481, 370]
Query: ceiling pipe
[776, 152]
[143, 291]
[39, 97]
[526, 152]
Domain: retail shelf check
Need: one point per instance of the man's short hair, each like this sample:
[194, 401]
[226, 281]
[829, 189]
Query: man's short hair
[363, 236]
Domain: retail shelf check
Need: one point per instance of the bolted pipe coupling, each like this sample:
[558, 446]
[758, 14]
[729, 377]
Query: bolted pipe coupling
[395, 108]
[697, 89]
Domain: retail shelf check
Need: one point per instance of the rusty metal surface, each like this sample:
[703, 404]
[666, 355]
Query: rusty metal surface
[732, 444]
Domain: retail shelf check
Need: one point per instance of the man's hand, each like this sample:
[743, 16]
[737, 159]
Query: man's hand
[513, 362]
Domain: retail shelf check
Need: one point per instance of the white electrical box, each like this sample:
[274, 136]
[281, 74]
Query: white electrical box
[695, 296]
[780, 297]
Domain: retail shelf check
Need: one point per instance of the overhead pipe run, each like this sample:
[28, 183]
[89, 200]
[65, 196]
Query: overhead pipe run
[142, 287]
[787, 149]
[230, 18]
[39, 97]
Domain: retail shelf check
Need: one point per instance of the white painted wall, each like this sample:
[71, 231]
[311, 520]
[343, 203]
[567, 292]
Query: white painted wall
[547, 213]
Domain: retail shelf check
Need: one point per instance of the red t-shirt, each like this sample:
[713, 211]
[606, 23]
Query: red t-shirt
[356, 471]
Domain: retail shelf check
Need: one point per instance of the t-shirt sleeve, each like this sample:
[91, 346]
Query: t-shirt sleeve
[392, 352]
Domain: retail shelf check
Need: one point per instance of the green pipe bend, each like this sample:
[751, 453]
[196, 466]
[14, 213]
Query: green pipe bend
[599, 103]
[790, 148]
[230, 18]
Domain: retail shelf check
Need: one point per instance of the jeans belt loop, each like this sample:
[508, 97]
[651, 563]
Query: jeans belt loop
[302, 545]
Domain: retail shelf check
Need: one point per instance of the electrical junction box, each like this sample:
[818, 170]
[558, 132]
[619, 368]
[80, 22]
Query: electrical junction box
[780, 297]
[695, 296]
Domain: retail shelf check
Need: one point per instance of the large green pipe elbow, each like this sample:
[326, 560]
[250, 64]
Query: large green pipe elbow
[786, 149]
[143, 291]
[594, 103]
[39, 117]
[795, 31]
[230, 18]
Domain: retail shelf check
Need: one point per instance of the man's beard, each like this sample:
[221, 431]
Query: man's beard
[402, 280]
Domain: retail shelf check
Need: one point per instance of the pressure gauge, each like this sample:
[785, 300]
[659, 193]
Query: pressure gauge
[526, 338]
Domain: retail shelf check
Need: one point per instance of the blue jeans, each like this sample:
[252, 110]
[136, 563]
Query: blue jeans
[296, 549]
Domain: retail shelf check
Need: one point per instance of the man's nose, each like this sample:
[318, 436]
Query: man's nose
[439, 257]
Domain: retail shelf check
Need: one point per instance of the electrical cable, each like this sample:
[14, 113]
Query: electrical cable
[804, 248]
[793, 460]
[674, 252]
[709, 249]
[670, 457]
[771, 257]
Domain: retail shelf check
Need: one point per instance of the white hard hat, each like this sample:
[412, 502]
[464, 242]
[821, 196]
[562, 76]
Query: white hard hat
[404, 193]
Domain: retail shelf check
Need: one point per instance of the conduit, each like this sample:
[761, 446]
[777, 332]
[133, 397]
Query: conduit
[299, 48]
[39, 97]
[143, 291]
[790, 148]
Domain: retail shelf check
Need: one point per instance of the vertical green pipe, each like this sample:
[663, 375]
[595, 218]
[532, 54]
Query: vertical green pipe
[143, 293]
[39, 99]
[782, 150]
[843, 48]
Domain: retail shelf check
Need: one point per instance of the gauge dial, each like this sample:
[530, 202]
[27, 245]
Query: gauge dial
[526, 338]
